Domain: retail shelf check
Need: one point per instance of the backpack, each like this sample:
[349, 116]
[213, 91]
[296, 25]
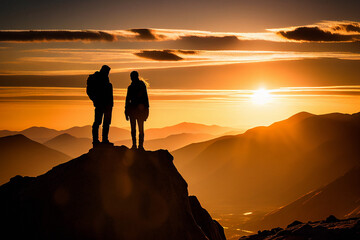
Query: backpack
[91, 86]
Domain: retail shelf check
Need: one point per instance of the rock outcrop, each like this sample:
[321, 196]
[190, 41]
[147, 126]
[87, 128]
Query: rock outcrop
[329, 229]
[108, 193]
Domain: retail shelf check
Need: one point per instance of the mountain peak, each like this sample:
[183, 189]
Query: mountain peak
[15, 137]
[64, 136]
[108, 193]
[300, 116]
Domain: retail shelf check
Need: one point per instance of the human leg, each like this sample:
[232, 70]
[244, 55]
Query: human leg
[106, 124]
[141, 133]
[133, 131]
[96, 124]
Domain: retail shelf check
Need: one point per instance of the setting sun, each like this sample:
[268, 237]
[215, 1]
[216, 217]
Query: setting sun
[261, 96]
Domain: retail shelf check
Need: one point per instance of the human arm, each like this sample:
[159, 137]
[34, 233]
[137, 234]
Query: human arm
[127, 103]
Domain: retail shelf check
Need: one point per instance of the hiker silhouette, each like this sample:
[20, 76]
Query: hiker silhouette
[100, 91]
[137, 108]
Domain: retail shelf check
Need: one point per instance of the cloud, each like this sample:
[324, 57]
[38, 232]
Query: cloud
[348, 27]
[159, 55]
[187, 51]
[209, 42]
[315, 34]
[145, 34]
[56, 35]
[326, 31]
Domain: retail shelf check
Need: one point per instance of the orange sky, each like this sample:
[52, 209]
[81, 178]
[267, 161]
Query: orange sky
[62, 108]
[199, 70]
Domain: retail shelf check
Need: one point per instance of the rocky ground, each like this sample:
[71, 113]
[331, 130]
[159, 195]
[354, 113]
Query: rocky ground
[329, 229]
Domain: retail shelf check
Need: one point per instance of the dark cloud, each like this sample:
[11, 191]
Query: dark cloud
[348, 27]
[190, 52]
[144, 34]
[209, 42]
[315, 34]
[351, 27]
[55, 35]
[159, 55]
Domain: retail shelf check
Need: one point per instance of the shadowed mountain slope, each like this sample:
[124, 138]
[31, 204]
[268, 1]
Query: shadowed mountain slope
[271, 166]
[20, 155]
[69, 145]
[108, 193]
[340, 198]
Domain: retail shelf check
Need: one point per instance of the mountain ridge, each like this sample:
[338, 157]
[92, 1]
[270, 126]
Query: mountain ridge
[273, 153]
[21, 155]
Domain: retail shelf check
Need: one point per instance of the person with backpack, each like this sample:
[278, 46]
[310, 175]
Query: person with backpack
[137, 108]
[100, 91]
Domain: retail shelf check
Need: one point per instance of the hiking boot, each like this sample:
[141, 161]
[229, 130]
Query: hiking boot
[107, 142]
[141, 148]
[133, 147]
[96, 143]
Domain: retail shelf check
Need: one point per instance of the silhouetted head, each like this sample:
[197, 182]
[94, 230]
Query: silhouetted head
[134, 75]
[105, 69]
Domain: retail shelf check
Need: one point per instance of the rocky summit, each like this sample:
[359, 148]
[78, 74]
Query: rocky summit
[108, 193]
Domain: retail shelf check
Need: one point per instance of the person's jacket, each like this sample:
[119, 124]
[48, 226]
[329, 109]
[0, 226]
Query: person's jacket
[136, 95]
[101, 90]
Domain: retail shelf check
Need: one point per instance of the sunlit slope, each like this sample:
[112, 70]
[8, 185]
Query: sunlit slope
[271, 166]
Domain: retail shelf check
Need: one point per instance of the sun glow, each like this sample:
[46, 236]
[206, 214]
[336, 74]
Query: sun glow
[261, 96]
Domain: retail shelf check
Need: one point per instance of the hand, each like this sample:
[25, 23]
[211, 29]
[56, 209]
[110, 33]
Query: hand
[126, 115]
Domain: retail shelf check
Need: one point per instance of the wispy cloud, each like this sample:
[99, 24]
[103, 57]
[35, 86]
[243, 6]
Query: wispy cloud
[125, 60]
[164, 55]
[79, 94]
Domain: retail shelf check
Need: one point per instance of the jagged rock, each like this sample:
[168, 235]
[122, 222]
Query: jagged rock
[331, 219]
[276, 230]
[109, 193]
[347, 229]
[294, 223]
[210, 227]
[303, 230]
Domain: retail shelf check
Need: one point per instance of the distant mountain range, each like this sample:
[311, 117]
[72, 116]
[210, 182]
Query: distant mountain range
[21, 156]
[58, 146]
[42, 134]
[171, 142]
[69, 144]
[268, 167]
[306, 167]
